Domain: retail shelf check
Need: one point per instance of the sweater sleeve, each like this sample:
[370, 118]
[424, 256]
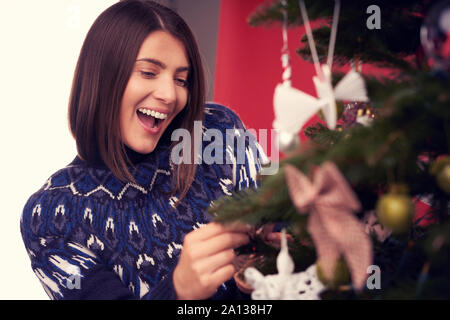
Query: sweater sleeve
[238, 147]
[247, 155]
[68, 268]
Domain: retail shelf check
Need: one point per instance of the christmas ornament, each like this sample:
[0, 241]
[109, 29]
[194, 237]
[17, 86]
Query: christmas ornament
[339, 110]
[288, 134]
[441, 170]
[372, 226]
[286, 285]
[241, 263]
[357, 113]
[288, 142]
[395, 210]
[435, 35]
[333, 228]
[293, 108]
[341, 275]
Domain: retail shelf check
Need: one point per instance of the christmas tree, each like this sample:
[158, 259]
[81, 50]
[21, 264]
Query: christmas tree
[390, 151]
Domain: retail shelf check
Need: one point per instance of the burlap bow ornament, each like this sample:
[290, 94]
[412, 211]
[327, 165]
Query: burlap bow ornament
[331, 224]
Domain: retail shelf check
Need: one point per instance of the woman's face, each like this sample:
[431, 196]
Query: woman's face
[156, 91]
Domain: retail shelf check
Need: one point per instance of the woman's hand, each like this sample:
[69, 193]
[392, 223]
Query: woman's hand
[206, 259]
[273, 238]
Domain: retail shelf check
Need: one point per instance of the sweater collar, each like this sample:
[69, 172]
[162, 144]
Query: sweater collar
[159, 158]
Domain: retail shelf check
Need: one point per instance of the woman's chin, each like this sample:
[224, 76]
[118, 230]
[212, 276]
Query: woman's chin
[144, 148]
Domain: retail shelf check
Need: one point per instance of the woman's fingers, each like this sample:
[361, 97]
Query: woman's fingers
[206, 259]
[213, 229]
[238, 227]
[223, 241]
[274, 238]
[217, 261]
[222, 274]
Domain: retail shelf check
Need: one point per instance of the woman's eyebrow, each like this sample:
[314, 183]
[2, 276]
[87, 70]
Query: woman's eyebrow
[161, 64]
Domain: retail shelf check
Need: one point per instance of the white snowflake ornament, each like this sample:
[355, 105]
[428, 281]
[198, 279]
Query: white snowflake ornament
[285, 285]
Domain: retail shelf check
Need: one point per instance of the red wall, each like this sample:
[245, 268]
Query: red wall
[249, 66]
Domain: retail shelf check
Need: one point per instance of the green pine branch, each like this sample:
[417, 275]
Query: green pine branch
[386, 47]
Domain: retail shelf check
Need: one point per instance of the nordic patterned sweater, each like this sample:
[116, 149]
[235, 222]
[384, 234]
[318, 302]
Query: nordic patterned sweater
[90, 236]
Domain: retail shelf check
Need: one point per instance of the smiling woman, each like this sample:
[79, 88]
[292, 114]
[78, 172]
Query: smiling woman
[127, 40]
[156, 91]
[122, 221]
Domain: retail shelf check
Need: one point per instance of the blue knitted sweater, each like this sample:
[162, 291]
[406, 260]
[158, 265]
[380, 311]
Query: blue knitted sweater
[90, 236]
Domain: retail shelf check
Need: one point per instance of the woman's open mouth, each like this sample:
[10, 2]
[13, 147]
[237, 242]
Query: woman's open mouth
[151, 120]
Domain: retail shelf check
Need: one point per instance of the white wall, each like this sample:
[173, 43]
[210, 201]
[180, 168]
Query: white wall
[39, 46]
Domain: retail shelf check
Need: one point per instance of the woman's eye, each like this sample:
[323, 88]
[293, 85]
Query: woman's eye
[181, 82]
[148, 74]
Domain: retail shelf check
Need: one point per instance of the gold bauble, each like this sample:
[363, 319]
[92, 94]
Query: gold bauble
[441, 170]
[341, 274]
[443, 178]
[395, 211]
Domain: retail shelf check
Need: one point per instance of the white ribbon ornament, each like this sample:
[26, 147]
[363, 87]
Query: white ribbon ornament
[293, 107]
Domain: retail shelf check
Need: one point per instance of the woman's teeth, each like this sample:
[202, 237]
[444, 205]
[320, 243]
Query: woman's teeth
[152, 113]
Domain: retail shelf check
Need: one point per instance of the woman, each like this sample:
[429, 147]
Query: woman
[123, 221]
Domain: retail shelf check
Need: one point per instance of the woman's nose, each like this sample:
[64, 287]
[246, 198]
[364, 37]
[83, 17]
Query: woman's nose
[165, 90]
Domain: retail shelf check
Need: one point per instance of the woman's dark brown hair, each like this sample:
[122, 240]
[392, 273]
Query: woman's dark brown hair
[104, 67]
